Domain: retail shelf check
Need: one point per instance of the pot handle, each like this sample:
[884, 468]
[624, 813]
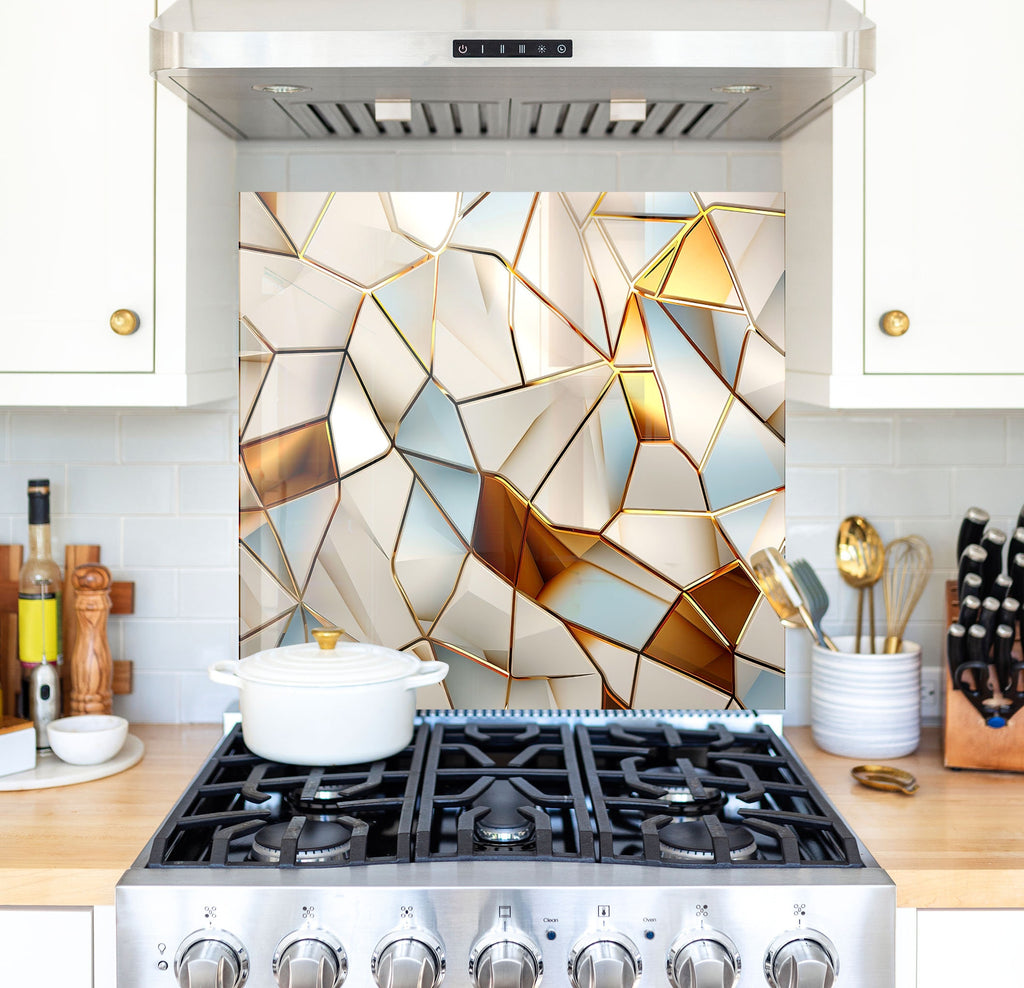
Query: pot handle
[432, 672]
[224, 672]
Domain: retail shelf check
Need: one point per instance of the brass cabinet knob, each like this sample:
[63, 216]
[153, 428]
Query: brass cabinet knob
[124, 322]
[895, 323]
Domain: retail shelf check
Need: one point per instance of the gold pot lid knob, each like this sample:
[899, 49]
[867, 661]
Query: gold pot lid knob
[327, 638]
[124, 322]
[895, 322]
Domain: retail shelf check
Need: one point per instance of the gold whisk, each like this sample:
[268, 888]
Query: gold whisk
[908, 563]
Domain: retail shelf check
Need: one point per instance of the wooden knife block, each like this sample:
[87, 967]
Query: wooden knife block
[967, 741]
[122, 595]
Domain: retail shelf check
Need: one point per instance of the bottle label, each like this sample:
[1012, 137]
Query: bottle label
[39, 629]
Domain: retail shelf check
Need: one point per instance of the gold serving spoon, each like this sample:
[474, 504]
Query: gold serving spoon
[775, 580]
[860, 558]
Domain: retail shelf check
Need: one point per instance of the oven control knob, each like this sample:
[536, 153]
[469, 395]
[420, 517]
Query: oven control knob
[607, 960]
[505, 963]
[310, 959]
[211, 959]
[801, 959]
[708, 961]
[410, 959]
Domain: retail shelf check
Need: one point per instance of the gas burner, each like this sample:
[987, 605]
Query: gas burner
[503, 823]
[683, 802]
[319, 842]
[691, 841]
[325, 804]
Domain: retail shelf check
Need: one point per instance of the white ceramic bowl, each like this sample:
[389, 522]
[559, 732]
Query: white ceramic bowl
[88, 739]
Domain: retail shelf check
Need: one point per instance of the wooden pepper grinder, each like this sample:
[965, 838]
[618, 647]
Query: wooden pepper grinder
[92, 670]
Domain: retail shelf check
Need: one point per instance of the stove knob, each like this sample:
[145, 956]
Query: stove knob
[801, 959]
[711, 961]
[313, 959]
[506, 964]
[609, 962]
[415, 960]
[211, 959]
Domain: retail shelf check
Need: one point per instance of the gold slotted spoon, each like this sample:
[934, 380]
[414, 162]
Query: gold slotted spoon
[860, 558]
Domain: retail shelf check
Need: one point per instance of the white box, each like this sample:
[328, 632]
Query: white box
[17, 745]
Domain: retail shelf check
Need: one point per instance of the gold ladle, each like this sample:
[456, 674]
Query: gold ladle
[860, 557]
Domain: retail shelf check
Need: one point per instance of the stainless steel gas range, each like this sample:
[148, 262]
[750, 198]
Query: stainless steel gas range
[592, 849]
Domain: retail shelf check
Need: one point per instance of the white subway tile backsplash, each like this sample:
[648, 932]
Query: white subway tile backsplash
[14, 478]
[812, 493]
[180, 542]
[120, 489]
[999, 490]
[208, 593]
[155, 699]
[181, 645]
[65, 437]
[178, 437]
[896, 493]
[203, 701]
[77, 530]
[839, 439]
[207, 490]
[156, 592]
[942, 439]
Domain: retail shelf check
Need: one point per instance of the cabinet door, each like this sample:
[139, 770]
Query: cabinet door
[943, 216]
[77, 168]
[46, 948]
[968, 947]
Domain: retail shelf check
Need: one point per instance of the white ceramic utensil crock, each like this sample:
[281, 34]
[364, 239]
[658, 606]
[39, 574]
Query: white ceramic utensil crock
[326, 704]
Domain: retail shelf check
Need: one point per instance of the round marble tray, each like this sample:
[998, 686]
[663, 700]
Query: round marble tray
[50, 771]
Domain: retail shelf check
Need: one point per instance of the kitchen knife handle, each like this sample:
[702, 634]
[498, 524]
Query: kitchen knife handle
[956, 653]
[1000, 587]
[1016, 545]
[1003, 661]
[970, 608]
[1017, 576]
[972, 560]
[989, 618]
[1009, 612]
[973, 524]
[993, 542]
[977, 660]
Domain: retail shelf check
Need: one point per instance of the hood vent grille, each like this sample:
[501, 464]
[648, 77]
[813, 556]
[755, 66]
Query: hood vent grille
[430, 118]
[581, 119]
[449, 120]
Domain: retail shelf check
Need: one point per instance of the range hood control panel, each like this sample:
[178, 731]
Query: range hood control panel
[514, 48]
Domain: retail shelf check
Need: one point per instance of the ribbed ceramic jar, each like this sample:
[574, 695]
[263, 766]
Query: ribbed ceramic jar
[866, 705]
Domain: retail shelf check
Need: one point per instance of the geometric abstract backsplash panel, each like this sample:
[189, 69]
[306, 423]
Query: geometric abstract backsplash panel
[534, 435]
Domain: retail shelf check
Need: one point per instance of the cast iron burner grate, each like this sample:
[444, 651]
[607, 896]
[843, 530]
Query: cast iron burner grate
[646, 777]
[237, 794]
[503, 786]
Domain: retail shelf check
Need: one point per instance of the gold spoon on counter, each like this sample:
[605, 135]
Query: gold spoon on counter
[860, 557]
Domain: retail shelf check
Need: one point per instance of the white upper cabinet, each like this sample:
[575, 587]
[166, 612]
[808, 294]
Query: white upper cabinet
[115, 200]
[904, 199]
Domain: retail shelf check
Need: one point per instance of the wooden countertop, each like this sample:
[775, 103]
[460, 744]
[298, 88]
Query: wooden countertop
[959, 842]
[69, 846]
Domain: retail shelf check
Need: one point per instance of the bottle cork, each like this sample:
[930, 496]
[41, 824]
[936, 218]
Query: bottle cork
[92, 670]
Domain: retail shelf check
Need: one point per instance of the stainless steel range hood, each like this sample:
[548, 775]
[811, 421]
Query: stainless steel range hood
[401, 69]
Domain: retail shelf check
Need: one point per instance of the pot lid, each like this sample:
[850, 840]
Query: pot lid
[329, 664]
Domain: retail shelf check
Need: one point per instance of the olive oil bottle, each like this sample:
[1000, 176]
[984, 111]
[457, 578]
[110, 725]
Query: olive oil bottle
[39, 593]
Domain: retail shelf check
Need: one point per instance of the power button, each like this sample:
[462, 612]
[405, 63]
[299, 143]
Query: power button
[462, 49]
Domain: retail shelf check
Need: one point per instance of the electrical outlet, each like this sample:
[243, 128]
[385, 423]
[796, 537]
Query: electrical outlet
[931, 694]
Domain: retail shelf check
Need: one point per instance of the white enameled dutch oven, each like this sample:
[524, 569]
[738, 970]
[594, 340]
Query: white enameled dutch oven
[327, 704]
